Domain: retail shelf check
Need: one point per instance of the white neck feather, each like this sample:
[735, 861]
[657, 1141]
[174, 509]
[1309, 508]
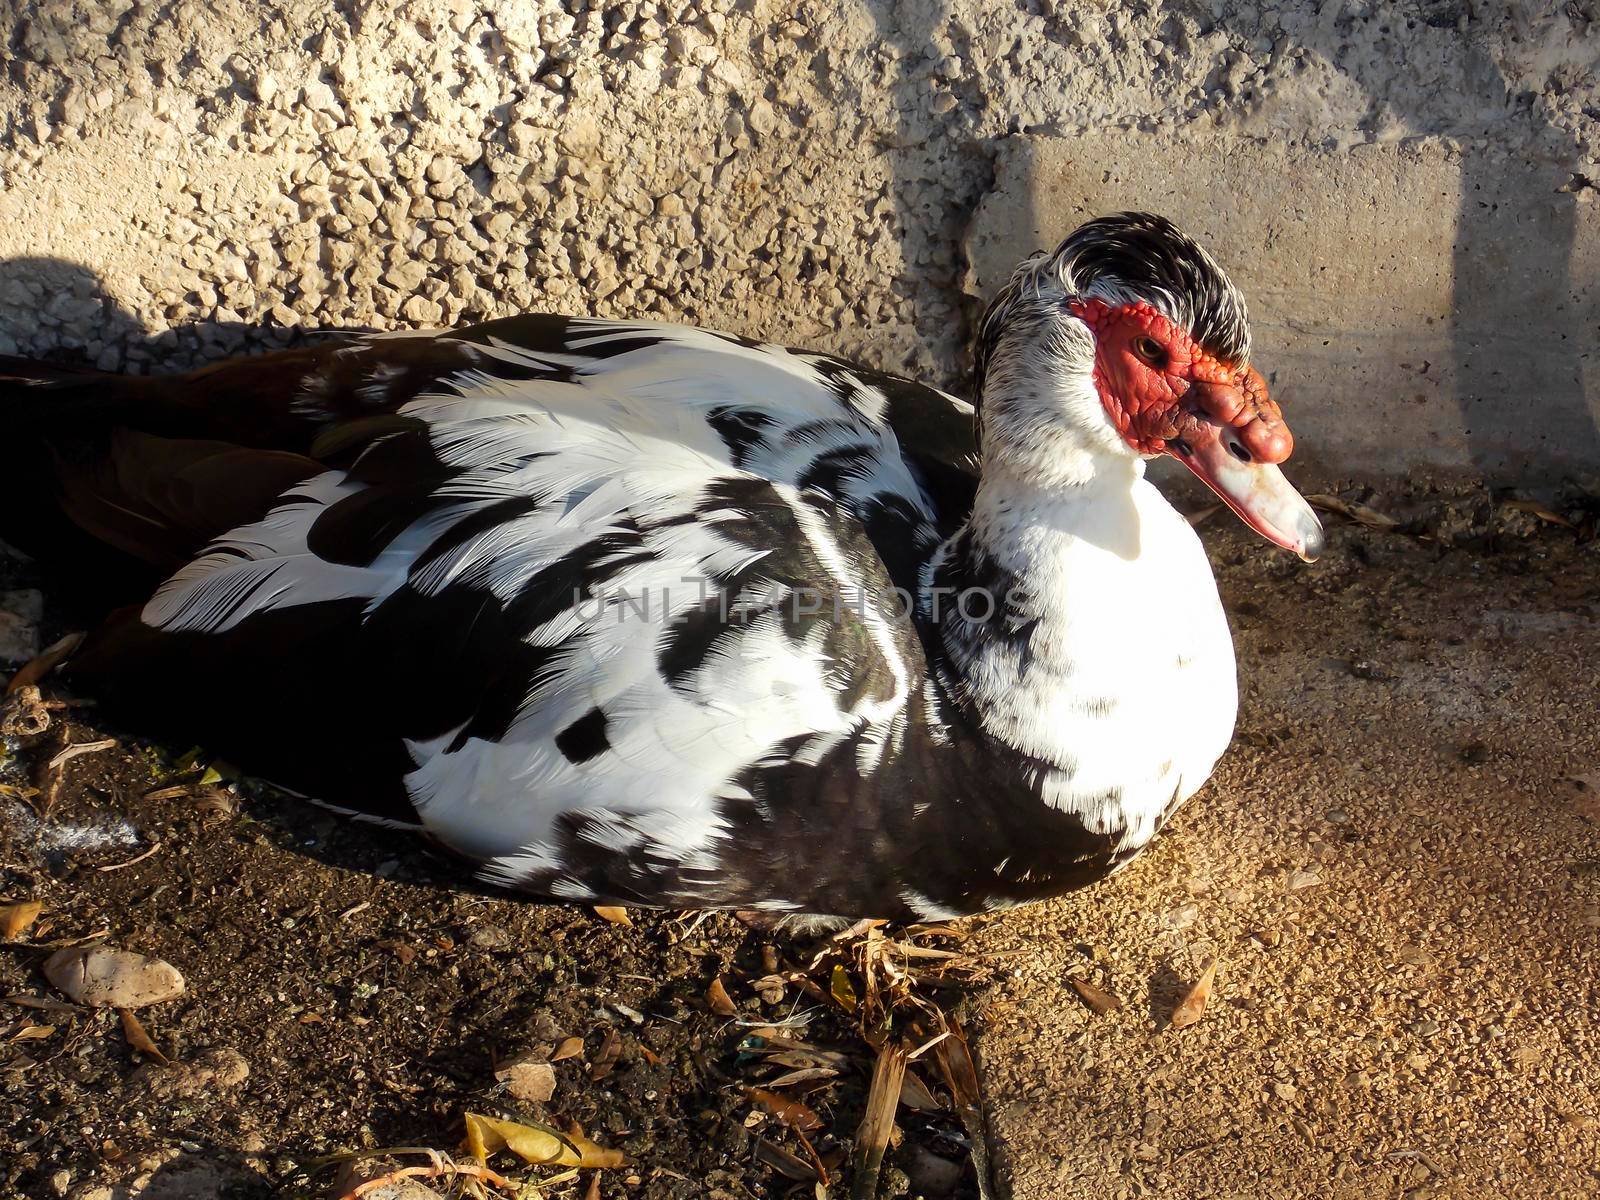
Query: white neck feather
[1099, 588]
[1055, 469]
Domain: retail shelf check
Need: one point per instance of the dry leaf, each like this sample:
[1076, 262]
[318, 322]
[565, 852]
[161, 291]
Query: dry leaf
[1101, 1002]
[139, 1039]
[16, 919]
[1535, 509]
[537, 1144]
[605, 1058]
[44, 1002]
[1359, 513]
[801, 1059]
[1193, 1006]
[32, 1033]
[910, 950]
[570, 1047]
[103, 977]
[954, 1058]
[883, 1096]
[803, 1075]
[48, 660]
[791, 1112]
[719, 1000]
[789, 1165]
[615, 914]
[915, 1095]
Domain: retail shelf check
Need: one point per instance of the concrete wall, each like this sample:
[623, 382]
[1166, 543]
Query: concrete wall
[189, 179]
[1414, 305]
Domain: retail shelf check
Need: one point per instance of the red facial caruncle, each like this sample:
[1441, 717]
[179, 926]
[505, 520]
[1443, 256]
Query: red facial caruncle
[1145, 369]
[1167, 395]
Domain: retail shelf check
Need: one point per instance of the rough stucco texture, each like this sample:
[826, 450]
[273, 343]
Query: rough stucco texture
[186, 179]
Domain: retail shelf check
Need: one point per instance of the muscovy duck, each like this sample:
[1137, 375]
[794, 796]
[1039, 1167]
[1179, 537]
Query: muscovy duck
[642, 614]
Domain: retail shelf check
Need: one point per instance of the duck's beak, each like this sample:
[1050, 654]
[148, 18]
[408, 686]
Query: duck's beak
[1257, 491]
[1235, 446]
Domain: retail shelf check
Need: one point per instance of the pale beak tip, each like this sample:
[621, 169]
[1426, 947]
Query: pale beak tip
[1313, 543]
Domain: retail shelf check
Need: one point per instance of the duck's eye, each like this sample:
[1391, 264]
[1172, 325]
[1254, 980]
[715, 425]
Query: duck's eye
[1150, 350]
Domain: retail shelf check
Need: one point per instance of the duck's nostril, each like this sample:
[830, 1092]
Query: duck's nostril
[1238, 450]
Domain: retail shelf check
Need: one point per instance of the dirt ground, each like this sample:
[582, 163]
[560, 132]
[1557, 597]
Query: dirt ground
[345, 991]
[1397, 869]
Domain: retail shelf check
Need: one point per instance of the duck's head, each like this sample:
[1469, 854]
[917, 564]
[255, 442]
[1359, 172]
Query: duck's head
[1129, 341]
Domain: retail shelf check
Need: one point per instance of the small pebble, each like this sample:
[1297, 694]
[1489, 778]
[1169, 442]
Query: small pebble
[105, 977]
[528, 1076]
[489, 937]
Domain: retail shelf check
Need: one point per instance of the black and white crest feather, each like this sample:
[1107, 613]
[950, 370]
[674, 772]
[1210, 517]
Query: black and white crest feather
[1128, 257]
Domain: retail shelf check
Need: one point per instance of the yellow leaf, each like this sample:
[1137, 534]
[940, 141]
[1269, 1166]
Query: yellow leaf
[1100, 1001]
[615, 914]
[717, 997]
[841, 989]
[537, 1144]
[1359, 513]
[15, 919]
[33, 1033]
[138, 1038]
[788, 1110]
[1194, 1004]
[1538, 510]
[605, 1058]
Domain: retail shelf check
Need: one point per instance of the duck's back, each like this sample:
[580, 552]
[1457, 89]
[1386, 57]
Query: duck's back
[550, 588]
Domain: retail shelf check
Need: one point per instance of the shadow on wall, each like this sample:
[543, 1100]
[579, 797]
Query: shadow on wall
[916, 149]
[1506, 379]
[91, 329]
[61, 296]
[1496, 367]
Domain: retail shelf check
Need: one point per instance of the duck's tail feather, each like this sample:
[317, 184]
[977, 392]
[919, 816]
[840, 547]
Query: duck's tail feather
[123, 478]
[45, 409]
[39, 397]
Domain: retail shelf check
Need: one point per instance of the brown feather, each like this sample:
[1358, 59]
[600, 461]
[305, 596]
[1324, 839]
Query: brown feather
[162, 499]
